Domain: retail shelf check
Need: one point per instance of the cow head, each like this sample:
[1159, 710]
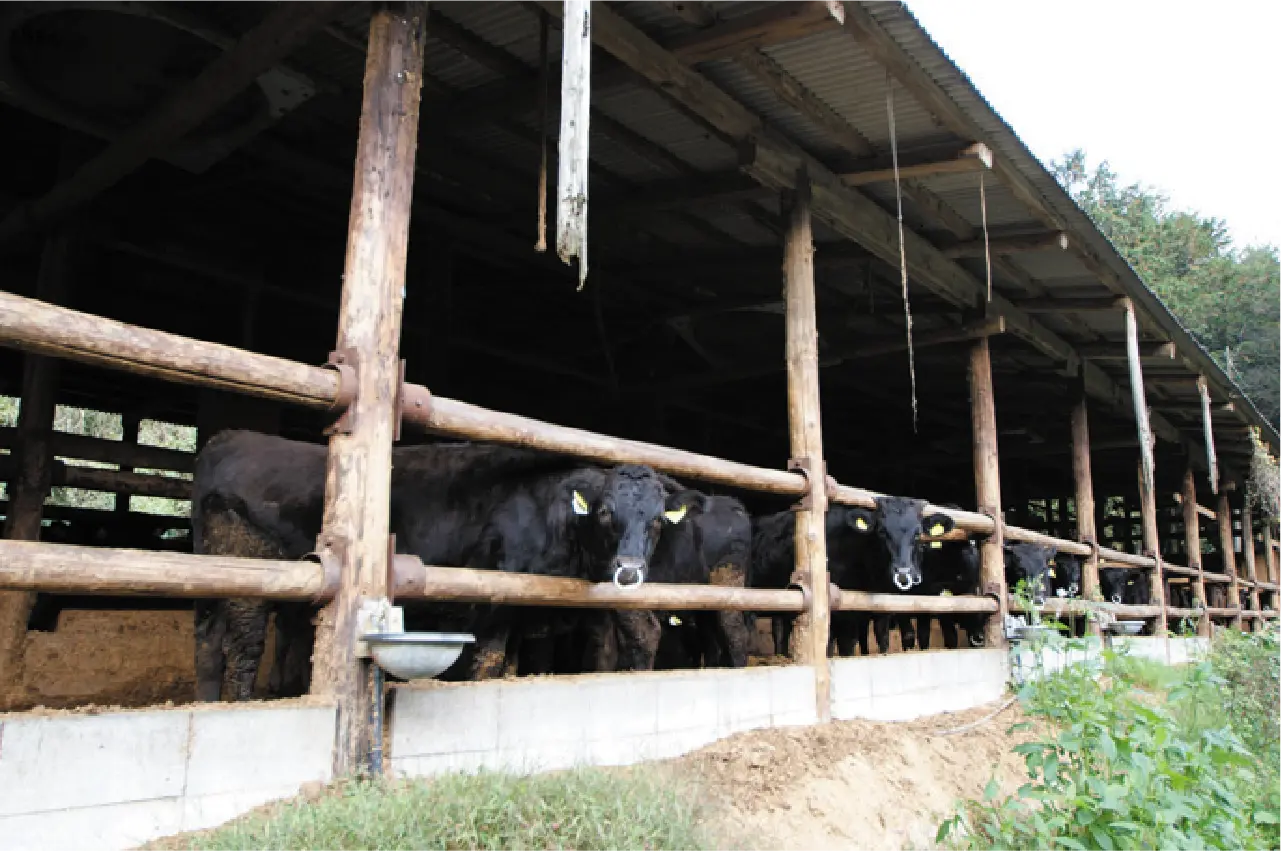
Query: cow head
[1065, 576]
[1031, 565]
[900, 522]
[623, 522]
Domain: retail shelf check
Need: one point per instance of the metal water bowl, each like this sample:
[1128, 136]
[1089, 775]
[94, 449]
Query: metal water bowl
[1026, 632]
[1125, 627]
[416, 655]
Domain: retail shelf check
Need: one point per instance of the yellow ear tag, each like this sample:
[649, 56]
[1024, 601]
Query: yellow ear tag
[936, 545]
[860, 524]
[937, 529]
[1051, 572]
[674, 621]
[676, 515]
[580, 504]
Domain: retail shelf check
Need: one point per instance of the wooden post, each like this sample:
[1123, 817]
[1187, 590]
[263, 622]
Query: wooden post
[1269, 557]
[1086, 532]
[1208, 427]
[1224, 511]
[1147, 464]
[358, 472]
[30, 486]
[987, 486]
[804, 415]
[1192, 535]
[1247, 552]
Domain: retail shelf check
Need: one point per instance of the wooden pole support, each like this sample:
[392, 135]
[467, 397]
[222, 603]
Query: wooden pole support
[987, 486]
[1152, 547]
[1147, 463]
[34, 453]
[1247, 551]
[804, 415]
[358, 472]
[1084, 479]
[1192, 537]
[1207, 426]
[1224, 511]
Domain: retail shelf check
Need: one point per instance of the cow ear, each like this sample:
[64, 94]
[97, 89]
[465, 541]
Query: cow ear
[676, 515]
[860, 519]
[580, 504]
[938, 525]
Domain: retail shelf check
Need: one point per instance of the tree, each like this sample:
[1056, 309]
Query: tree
[1228, 298]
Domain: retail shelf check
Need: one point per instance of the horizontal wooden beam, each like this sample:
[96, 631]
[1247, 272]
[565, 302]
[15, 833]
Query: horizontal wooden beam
[1116, 351]
[1106, 304]
[1001, 246]
[777, 23]
[111, 481]
[680, 194]
[975, 157]
[86, 448]
[970, 331]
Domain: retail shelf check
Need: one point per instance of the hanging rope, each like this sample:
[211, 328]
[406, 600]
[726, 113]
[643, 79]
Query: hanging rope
[987, 249]
[541, 246]
[902, 246]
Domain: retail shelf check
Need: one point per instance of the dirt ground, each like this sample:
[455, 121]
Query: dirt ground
[110, 658]
[852, 784]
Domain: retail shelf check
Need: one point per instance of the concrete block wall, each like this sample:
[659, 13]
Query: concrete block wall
[903, 686]
[1171, 651]
[119, 779]
[546, 724]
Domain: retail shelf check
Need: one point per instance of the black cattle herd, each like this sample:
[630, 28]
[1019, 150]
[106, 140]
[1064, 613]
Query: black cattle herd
[521, 511]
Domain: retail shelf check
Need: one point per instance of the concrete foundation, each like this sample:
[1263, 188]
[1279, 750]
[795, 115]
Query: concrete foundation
[120, 779]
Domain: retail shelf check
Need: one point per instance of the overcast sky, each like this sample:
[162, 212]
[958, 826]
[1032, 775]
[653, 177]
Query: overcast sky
[1181, 96]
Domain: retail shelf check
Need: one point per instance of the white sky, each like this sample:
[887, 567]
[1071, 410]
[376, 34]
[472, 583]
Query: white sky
[1182, 96]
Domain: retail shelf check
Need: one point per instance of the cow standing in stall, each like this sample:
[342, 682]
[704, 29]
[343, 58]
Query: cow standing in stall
[486, 507]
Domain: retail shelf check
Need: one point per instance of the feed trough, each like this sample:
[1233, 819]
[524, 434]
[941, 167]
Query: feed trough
[416, 655]
[1026, 632]
[1125, 627]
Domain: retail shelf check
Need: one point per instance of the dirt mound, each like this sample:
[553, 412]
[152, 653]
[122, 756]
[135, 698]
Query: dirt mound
[852, 784]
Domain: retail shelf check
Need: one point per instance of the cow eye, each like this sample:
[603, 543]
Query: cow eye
[605, 516]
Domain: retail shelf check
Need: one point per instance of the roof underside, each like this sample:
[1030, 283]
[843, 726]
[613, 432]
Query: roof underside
[678, 335]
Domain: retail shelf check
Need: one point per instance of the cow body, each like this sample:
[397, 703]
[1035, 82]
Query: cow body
[1066, 584]
[951, 567]
[486, 507]
[1124, 585]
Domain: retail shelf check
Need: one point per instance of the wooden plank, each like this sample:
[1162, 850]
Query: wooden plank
[1118, 352]
[1207, 426]
[358, 471]
[85, 448]
[973, 158]
[1192, 539]
[1036, 306]
[1001, 246]
[777, 23]
[286, 27]
[804, 416]
[33, 449]
[1083, 478]
[987, 485]
[967, 332]
[1228, 550]
[575, 135]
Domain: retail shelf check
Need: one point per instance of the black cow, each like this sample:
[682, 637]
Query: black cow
[1030, 564]
[951, 567]
[486, 507]
[1217, 595]
[719, 554]
[1066, 583]
[1126, 585]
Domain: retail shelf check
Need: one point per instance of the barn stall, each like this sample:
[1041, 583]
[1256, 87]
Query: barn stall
[763, 180]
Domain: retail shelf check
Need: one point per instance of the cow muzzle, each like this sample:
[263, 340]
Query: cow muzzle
[904, 580]
[1116, 598]
[629, 572]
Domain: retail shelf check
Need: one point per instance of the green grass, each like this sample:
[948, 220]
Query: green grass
[584, 809]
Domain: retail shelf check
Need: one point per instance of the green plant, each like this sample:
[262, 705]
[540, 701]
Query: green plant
[585, 808]
[1127, 769]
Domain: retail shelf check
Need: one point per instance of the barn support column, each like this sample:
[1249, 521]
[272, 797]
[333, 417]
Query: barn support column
[1192, 535]
[358, 473]
[804, 416]
[1224, 511]
[987, 487]
[1086, 532]
[1247, 553]
[1147, 465]
[1270, 559]
[30, 485]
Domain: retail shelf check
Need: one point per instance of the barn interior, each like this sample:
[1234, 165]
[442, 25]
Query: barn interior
[236, 234]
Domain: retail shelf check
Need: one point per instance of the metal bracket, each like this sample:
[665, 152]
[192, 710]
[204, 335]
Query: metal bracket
[998, 521]
[992, 589]
[329, 553]
[344, 362]
[802, 584]
[805, 466]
